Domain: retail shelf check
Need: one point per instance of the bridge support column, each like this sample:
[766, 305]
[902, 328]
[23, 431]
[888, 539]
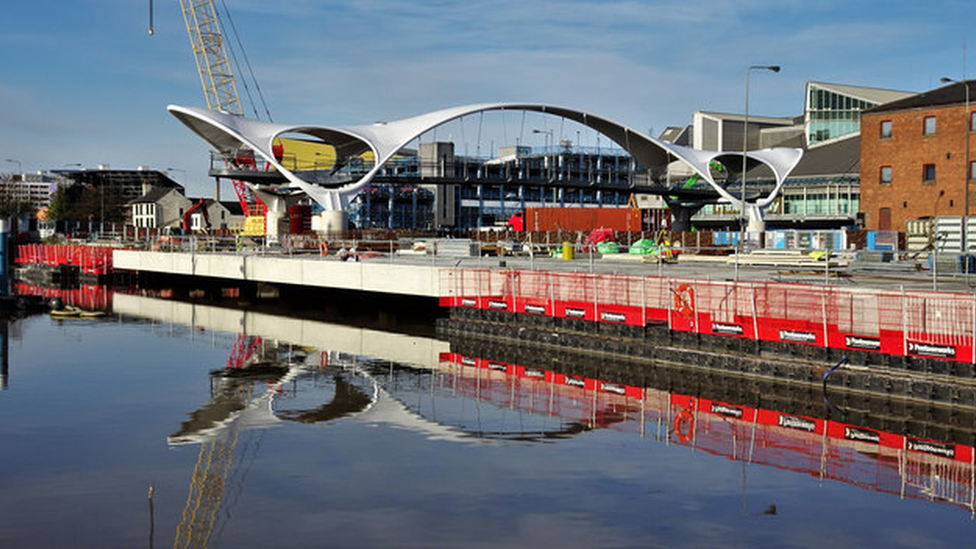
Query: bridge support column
[276, 220]
[756, 223]
[681, 215]
[334, 222]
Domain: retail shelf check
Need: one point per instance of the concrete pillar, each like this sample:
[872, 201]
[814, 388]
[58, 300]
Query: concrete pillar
[755, 223]
[334, 222]
[276, 220]
[681, 215]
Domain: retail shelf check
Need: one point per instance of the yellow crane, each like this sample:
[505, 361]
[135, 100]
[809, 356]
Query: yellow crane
[220, 89]
[219, 86]
[210, 52]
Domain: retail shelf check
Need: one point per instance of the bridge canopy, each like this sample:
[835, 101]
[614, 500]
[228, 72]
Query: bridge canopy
[228, 133]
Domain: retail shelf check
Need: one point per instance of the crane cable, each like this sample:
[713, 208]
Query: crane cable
[247, 63]
[233, 54]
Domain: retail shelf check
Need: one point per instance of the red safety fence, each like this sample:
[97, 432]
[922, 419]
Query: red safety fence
[88, 296]
[924, 324]
[89, 259]
[873, 459]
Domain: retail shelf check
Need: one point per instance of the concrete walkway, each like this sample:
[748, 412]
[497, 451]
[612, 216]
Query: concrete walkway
[421, 275]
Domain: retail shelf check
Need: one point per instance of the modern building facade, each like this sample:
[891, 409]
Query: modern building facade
[34, 189]
[103, 194]
[913, 158]
[715, 131]
[833, 111]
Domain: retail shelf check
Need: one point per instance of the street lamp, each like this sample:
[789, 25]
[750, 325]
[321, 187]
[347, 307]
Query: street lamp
[965, 215]
[15, 161]
[548, 134]
[745, 141]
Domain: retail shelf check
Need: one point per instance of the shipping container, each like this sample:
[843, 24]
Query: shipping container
[580, 219]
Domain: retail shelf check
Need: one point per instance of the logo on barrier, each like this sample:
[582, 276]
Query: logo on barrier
[928, 349]
[613, 388]
[858, 342]
[575, 313]
[799, 423]
[794, 335]
[465, 302]
[726, 410]
[498, 366]
[862, 435]
[532, 372]
[535, 309]
[613, 317]
[468, 361]
[492, 304]
[575, 382]
[722, 328]
[933, 448]
[684, 300]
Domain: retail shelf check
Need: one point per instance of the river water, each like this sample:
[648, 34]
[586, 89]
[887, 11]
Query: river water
[161, 427]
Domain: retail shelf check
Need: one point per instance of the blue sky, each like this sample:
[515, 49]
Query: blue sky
[82, 82]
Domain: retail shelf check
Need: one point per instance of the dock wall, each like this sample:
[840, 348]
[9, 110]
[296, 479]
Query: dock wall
[372, 276]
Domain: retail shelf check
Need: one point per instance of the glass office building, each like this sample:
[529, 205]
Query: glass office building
[833, 111]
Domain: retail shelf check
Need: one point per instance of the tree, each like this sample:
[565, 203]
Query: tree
[60, 209]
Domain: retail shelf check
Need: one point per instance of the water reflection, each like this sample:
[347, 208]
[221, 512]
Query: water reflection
[371, 438]
[451, 396]
[469, 399]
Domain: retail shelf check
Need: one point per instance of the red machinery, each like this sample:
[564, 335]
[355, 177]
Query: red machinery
[200, 205]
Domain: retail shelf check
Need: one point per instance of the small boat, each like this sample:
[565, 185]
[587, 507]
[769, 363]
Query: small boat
[70, 311]
[67, 312]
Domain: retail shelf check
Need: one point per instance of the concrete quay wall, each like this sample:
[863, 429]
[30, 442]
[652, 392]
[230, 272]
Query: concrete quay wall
[367, 276]
[423, 351]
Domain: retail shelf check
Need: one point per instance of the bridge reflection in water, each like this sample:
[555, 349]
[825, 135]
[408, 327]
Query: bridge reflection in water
[887, 444]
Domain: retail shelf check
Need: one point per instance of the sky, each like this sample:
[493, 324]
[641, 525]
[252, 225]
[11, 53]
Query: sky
[83, 83]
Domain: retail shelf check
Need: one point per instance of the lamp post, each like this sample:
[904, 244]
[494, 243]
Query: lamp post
[745, 142]
[20, 170]
[548, 134]
[965, 215]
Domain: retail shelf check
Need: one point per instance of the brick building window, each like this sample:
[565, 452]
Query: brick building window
[928, 173]
[886, 175]
[929, 128]
[886, 129]
[972, 170]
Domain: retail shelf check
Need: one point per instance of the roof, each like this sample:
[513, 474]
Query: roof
[233, 207]
[679, 135]
[837, 157]
[753, 119]
[946, 95]
[126, 177]
[153, 195]
[871, 95]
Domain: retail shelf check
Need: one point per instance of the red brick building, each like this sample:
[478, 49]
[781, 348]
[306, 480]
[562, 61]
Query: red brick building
[913, 158]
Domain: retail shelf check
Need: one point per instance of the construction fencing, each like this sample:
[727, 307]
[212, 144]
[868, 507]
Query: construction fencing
[89, 259]
[925, 324]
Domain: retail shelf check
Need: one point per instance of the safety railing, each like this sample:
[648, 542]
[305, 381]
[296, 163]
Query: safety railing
[922, 324]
